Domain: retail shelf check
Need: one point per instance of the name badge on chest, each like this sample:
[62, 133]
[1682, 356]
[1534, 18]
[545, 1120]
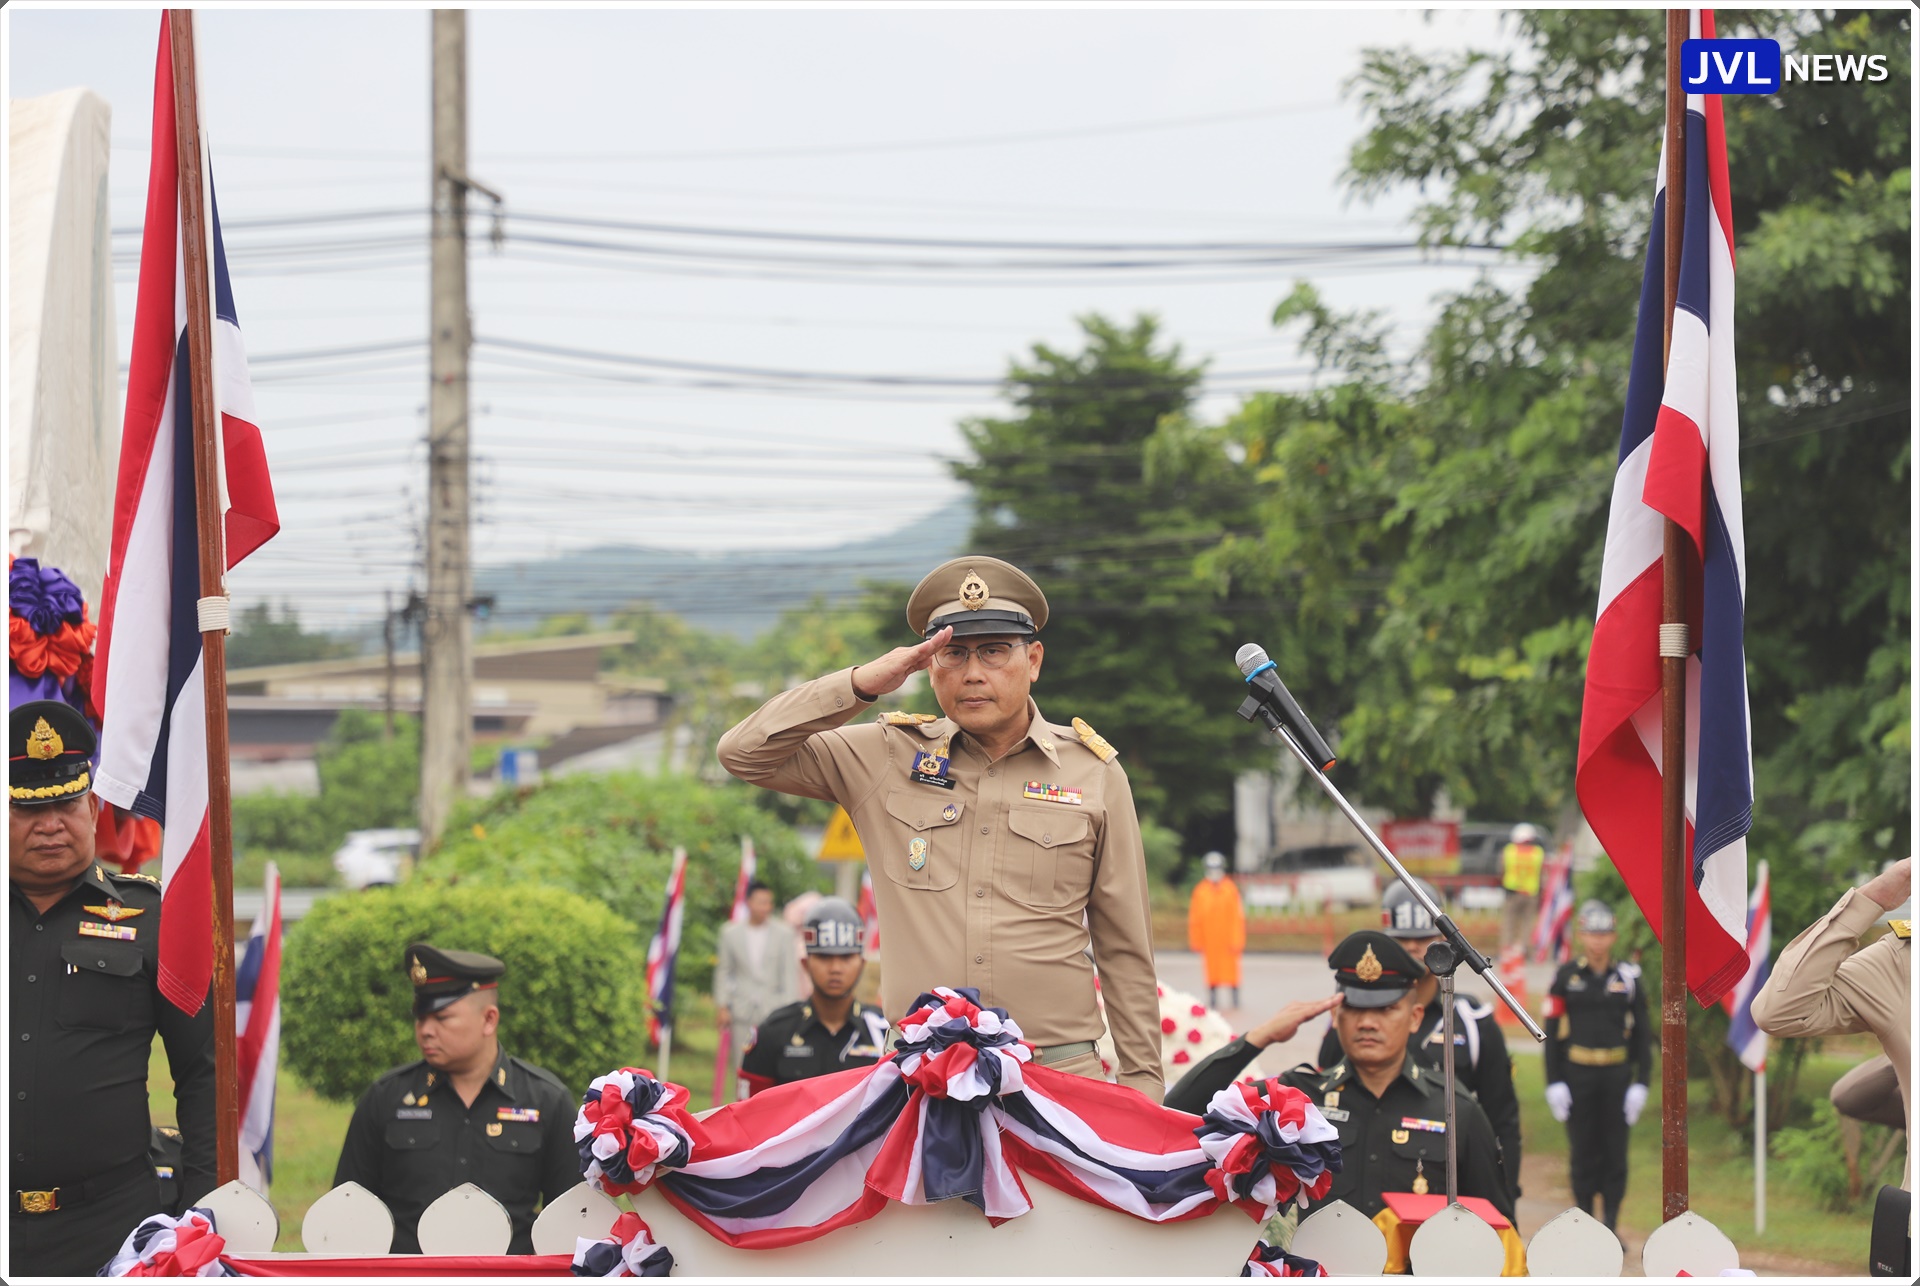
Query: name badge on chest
[1336, 1113]
[930, 769]
[413, 1114]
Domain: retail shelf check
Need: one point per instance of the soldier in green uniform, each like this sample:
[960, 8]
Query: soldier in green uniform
[831, 1031]
[1597, 1061]
[1389, 1106]
[466, 1112]
[83, 950]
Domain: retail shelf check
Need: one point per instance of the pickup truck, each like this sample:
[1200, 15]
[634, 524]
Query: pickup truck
[1334, 876]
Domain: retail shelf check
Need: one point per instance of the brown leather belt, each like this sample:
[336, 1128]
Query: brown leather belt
[1587, 1056]
[1049, 1054]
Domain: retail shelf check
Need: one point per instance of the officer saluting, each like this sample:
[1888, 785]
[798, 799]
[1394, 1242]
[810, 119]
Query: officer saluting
[1480, 1059]
[83, 950]
[466, 1112]
[1597, 1062]
[831, 1031]
[1001, 844]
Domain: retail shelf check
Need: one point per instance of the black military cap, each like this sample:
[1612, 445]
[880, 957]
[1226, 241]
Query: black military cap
[442, 977]
[1373, 970]
[49, 753]
[977, 595]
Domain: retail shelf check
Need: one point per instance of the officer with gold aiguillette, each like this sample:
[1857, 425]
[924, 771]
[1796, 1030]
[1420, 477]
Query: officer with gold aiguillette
[466, 1112]
[1001, 845]
[1597, 1061]
[83, 956]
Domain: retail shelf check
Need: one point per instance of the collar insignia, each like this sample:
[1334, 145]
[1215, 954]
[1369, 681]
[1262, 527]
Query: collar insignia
[43, 742]
[1369, 968]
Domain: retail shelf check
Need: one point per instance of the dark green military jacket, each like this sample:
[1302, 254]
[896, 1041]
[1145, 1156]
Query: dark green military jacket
[792, 1044]
[412, 1139]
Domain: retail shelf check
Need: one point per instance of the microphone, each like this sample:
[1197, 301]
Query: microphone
[1271, 695]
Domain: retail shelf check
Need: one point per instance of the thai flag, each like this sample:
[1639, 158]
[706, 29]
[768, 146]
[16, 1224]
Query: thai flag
[1550, 936]
[256, 993]
[665, 949]
[153, 757]
[870, 916]
[749, 864]
[1679, 459]
[1743, 1034]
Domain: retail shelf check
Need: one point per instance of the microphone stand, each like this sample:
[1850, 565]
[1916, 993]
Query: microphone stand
[1464, 953]
[1441, 961]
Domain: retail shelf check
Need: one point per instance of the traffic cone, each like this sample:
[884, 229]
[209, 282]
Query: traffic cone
[1513, 976]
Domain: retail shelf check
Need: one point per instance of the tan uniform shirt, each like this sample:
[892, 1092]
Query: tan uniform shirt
[1821, 986]
[993, 884]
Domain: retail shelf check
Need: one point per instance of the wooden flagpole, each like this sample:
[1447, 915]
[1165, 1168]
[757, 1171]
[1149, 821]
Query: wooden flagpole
[196, 242]
[1673, 706]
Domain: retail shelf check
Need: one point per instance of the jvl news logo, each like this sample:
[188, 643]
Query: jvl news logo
[1757, 67]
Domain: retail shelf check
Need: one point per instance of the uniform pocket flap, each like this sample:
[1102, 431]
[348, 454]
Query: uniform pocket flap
[121, 959]
[411, 1136]
[1048, 827]
[513, 1136]
[922, 811]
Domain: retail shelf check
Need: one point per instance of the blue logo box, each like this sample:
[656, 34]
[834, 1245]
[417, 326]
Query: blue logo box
[1730, 66]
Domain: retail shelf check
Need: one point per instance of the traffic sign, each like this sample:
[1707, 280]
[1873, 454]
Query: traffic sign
[842, 842]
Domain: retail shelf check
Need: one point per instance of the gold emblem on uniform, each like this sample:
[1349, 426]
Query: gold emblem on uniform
[973, 592]
[39, 1203]
[929, 764]
[114, 911]
[1369, 969]
[43, 742]
[418, 973]
[407, 1099]
[949, 813]
[1333, 1098]
[494, 1128]
[1419, 1179]
[1401, 1136]
[917, 853]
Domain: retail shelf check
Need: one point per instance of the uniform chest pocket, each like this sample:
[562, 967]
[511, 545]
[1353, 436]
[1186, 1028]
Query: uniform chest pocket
[921, 846]
[412, 1136]
[1049, 857]
[105, 988]
[1423, 1152]
[514, 1138]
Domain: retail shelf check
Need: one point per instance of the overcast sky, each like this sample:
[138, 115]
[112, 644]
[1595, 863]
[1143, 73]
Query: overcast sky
[1086, 128]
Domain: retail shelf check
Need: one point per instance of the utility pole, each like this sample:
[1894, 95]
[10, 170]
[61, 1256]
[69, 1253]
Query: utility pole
[446, 649]
[387, 634]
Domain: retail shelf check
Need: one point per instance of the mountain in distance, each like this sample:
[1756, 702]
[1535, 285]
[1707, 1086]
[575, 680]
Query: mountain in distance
[738, 592]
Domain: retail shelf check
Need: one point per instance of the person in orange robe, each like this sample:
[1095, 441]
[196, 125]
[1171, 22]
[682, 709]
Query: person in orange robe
[1217, 929]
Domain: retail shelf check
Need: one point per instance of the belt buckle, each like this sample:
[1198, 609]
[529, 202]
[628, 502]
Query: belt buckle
[40, 1203]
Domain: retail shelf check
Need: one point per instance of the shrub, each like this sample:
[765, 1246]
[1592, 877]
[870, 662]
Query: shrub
[573, 1000]
[612, 838]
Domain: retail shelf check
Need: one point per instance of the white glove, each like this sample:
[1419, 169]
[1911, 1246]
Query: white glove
[1636, 1100]
[1559, 1100]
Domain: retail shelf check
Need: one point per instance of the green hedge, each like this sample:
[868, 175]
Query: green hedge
[572, 1001]
[612, 838]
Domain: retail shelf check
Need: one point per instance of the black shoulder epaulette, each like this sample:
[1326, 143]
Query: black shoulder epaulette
[540, 1074]
[395, 1073]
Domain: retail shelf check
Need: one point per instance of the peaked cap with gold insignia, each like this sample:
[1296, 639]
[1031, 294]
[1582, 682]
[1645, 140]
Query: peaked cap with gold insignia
[49, 752]
[977, 595]
[1373, 970]
[441, 977]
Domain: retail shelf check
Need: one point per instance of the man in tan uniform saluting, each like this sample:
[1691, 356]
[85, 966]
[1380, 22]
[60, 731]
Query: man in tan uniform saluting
[1000, 843]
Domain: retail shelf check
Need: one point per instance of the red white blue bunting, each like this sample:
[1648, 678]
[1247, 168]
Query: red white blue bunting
[163, 1246]
[1271, 1261]
[628, 1250]
[959, 1111]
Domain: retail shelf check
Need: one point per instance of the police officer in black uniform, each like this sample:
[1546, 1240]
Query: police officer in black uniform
[1598, 1060]
[831, 1031]
[1389, 1106]
[466, 1112]
[1481, 1063]
[84, 954]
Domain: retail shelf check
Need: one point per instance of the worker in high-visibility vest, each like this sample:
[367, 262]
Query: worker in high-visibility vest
[1520, 863]
[1217, 929]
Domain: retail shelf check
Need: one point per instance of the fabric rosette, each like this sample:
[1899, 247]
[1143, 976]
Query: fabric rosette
[628, 1250]
[953, 1049]
[162, 1246]
[629, 1125]
[1268, 1144]
[1271, 1261]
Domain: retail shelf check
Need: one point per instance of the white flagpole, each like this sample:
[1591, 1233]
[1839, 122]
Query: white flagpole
[1760, 1149]
[666, 1051]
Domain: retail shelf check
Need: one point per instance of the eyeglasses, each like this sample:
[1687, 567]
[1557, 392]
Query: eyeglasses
[993, 656]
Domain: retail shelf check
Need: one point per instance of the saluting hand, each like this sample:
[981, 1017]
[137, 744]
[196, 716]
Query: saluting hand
[877, 678]
[1892, 886]
[1285, 1024]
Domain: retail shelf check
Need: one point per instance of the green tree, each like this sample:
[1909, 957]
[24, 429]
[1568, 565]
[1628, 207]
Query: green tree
[1090, 486]
[260, 637]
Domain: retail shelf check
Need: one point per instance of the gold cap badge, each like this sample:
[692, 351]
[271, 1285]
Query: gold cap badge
[1368, 970]
[43, 742]
[418, 973]
[973, 592]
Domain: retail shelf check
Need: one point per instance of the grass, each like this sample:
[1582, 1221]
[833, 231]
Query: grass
[1720, 1163]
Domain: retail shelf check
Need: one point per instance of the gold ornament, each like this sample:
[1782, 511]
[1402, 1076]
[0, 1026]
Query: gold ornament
[418, 973]
[1419, 1179]
[973, 592]
[43, 742]
[1369, 968]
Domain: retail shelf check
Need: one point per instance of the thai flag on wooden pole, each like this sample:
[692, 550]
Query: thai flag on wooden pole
[154, 756]
[1679, 459]
[661, 955]
[257, 1017]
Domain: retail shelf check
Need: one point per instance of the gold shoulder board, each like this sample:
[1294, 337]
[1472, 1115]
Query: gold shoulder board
[1093, 741]
[902, 719]
[1901, 928]
[142, 876]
